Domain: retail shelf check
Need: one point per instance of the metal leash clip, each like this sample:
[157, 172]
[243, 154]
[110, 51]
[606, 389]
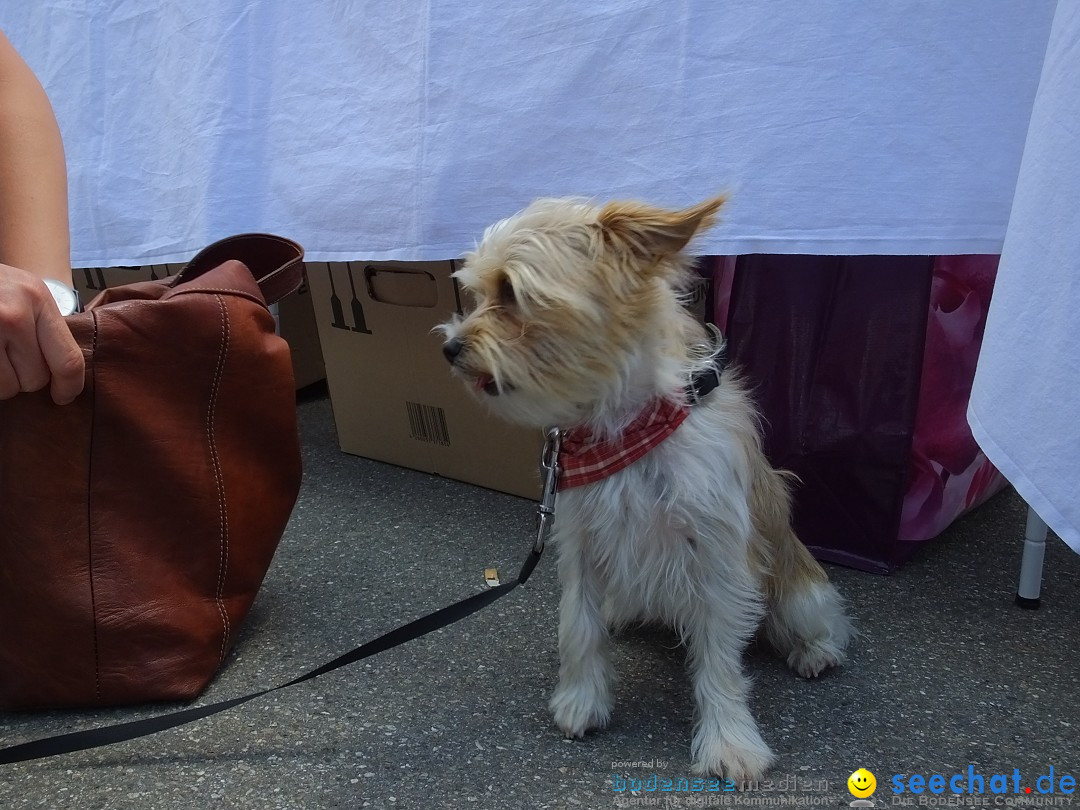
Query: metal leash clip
[549, 465]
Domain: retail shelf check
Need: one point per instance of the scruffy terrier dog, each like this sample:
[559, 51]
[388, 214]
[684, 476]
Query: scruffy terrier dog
[667, 509]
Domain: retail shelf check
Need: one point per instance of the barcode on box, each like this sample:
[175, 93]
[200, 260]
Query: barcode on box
[428, 424]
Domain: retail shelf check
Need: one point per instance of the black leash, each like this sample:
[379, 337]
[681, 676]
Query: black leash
[701, 385]
[95, 738]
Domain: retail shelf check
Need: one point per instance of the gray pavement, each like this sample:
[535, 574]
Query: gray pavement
[947, 674]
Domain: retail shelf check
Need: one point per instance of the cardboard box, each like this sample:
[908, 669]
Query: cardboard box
[296, 323]
[90, 281]
[393, 396]
[295, 317]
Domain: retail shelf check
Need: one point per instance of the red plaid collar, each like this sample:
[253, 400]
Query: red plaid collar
[584, 459]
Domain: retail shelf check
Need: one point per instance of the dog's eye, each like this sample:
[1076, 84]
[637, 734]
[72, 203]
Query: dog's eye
[507, 296]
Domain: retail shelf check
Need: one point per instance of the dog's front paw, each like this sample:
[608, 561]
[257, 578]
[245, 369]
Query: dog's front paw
[578, 708]
[740, 760]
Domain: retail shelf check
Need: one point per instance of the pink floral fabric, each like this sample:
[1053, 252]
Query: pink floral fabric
[948, 473]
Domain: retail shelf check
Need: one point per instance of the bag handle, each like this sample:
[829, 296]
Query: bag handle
[276, 263]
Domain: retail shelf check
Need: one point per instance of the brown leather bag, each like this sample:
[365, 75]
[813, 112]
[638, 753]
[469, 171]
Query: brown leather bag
[137, 523]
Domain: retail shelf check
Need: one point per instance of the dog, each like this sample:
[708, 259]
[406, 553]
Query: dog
[667, 509]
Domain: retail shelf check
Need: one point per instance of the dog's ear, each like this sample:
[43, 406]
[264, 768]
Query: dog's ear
[653, 231]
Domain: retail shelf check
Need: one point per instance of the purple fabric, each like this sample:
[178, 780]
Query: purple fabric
[863, 367]
[834, 346]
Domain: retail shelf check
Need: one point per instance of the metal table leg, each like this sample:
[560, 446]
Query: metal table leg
[1031, 566]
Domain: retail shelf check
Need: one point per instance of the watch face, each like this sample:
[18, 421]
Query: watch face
[67, 300]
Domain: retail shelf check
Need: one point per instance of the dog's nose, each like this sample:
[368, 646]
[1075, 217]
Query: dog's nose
[452, 348]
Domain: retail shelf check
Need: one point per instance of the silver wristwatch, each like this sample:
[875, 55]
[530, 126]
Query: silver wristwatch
[66, 298]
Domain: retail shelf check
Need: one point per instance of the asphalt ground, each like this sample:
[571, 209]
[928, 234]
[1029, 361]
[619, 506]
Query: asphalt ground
[948, 677]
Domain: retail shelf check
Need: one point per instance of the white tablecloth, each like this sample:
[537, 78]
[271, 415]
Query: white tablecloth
[1025, 403]
[401, 129]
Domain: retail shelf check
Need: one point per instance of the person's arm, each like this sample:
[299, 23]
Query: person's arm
[33, 175]
[36, 347]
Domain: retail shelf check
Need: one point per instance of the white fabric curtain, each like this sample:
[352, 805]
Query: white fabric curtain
[1025, 402]
[400, 130]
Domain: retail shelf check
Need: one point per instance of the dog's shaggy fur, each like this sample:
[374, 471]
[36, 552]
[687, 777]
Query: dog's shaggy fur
[579, 322]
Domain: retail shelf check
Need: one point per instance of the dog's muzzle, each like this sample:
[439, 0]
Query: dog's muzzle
[481, 382]
[452, 348]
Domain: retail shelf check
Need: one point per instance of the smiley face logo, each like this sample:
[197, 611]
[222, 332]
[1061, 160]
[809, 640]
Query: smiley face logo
[861, 783]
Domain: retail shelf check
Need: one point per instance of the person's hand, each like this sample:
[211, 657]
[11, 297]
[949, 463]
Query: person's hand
[36, 346]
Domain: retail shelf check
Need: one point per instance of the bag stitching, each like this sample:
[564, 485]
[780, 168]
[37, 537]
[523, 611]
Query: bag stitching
[215, 461]
[89, 515]
[177, 292]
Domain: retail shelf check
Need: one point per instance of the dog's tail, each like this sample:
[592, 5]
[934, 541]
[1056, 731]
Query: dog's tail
[806, 621]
